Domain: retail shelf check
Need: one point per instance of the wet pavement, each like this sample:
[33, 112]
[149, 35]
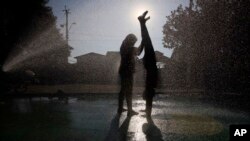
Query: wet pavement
[92, 117]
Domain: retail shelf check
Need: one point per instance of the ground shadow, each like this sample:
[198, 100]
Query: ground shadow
[117, 133]
[152, 132]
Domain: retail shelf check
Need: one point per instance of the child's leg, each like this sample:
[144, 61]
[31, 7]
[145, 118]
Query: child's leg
[121, 94]
[149, 107]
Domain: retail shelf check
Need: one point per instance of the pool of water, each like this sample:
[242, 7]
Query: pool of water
[92, 117]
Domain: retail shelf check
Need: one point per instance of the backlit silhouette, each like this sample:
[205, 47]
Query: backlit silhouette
[149, 62]
[127, 68]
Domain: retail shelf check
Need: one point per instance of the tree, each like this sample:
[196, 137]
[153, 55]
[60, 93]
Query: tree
[31, 39]
[214, 35]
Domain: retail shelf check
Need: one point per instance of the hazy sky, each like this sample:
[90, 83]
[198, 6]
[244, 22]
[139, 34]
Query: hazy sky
[101, 25]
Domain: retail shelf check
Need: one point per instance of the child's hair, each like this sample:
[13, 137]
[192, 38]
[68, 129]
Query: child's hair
[129, 40]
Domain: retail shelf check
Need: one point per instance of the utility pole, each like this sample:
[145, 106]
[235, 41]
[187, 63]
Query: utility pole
[66, 11]
[189, 59]
[67, 28]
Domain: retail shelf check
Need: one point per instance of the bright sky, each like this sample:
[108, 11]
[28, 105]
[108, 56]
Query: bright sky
[101, 25]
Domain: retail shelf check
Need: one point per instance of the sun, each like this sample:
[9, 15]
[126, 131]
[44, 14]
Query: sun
[139, 9]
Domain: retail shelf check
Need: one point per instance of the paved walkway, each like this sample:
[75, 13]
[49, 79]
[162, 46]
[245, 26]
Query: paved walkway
[93, 118]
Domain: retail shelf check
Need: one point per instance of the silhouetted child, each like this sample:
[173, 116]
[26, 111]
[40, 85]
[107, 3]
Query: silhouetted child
[149, 62]
[127, 68]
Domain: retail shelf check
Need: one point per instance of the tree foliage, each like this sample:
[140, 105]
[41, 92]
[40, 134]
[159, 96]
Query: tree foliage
[214, 34]
[31, 39]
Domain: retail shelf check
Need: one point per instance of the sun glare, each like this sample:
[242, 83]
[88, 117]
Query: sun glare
[139, 9]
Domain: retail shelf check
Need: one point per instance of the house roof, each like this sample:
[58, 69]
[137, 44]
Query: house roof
[89, 54]
[112, 52]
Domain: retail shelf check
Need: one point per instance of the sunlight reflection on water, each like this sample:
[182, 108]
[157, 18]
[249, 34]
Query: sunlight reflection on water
[87, 116]
[169, 120]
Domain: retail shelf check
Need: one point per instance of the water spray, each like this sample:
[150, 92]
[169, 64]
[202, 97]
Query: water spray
[31, 47]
